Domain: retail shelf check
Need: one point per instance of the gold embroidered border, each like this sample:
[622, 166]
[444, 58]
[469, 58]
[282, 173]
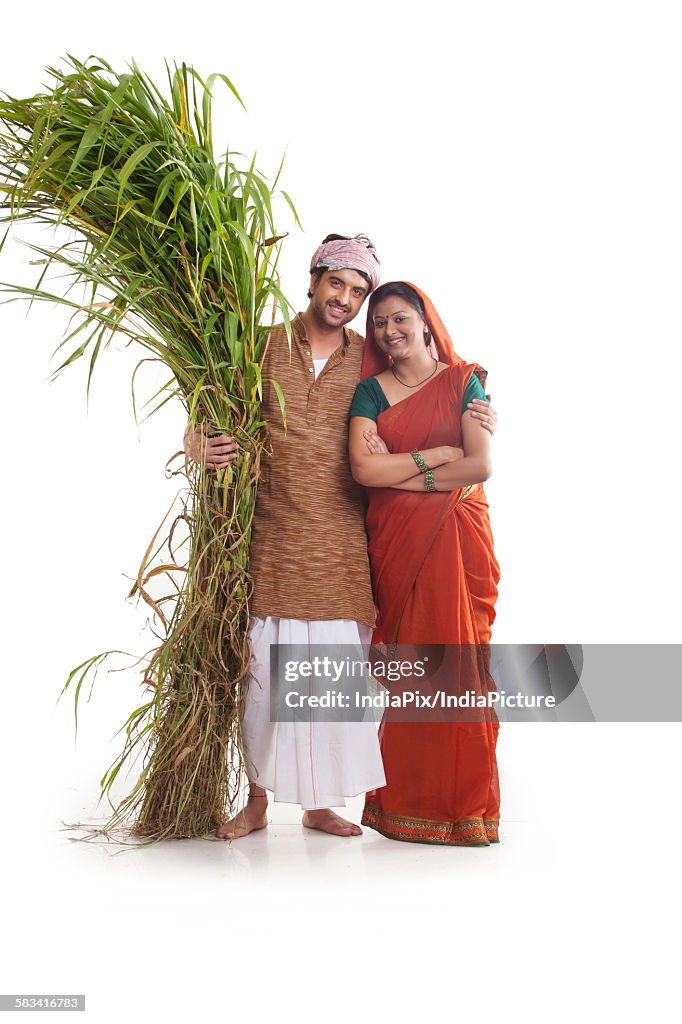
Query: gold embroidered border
[467, 832]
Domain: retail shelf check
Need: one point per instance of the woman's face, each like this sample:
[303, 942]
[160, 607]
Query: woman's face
[398, 328]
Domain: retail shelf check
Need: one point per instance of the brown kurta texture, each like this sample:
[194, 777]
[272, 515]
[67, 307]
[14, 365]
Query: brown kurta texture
[309, 546]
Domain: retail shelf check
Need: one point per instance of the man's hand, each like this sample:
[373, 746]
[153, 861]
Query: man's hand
[484, 413]
[375, 445]
[213, 452]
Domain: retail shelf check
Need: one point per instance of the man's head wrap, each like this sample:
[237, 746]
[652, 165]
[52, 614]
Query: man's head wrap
[349, 254]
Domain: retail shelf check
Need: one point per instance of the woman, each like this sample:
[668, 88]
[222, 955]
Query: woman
[423, 458]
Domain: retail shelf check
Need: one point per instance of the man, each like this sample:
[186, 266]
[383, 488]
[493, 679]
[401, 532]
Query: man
[308, 559]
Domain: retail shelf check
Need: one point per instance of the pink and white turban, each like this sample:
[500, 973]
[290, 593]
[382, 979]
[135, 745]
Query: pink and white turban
[349, 254]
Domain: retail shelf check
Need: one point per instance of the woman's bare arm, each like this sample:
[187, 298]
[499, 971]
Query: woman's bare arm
[385, 469]
[473, 468]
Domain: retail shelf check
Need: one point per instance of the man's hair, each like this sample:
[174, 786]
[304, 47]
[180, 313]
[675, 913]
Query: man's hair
[319, 271]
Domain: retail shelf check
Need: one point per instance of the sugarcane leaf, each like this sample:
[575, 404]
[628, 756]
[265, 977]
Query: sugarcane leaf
[93, 359]
[160, 405]
[212, 78]
[148, 359]
[40, 169]
[81, 672]
[177, 250]
[291, 207]
[247, 244]
[284, 305]
[89, 139]
[133, 716]
[181, 189]
[132, 162]
[280, 399]
[76, 354]
[279, 170]
[163, 189]
[194, 398]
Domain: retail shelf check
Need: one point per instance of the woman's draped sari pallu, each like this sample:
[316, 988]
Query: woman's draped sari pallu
[435, 579]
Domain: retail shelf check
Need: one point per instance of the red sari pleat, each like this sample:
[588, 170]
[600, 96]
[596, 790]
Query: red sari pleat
[435, 576]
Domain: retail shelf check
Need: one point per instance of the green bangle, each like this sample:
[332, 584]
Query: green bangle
[419, 459]
[429, 482]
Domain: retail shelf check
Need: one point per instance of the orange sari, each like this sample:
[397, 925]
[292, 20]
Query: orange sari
[435, 576]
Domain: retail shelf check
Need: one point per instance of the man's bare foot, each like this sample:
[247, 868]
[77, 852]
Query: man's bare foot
[327, 821]
[252, 818]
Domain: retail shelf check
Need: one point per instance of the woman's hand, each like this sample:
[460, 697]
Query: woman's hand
[212, 452]
[375, 445]
[484, 413]
[371, 464]
[439, 456]
[446, 454]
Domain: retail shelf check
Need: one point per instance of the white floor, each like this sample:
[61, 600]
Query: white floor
[578, 898]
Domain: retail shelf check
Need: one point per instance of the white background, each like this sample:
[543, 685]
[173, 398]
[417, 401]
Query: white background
[521, 162]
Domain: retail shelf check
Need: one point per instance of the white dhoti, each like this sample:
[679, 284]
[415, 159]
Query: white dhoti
[314, 764]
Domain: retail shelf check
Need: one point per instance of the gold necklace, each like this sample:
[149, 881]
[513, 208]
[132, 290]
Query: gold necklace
[400, 381]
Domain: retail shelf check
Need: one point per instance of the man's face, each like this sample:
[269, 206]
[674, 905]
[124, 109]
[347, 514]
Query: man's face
[338, 296]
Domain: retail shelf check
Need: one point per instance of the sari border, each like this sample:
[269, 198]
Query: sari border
[465, 832]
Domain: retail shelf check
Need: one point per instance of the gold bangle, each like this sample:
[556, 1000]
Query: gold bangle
[429, 481]
[419, 459]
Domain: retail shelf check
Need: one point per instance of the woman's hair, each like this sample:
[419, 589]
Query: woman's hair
[402, 291]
